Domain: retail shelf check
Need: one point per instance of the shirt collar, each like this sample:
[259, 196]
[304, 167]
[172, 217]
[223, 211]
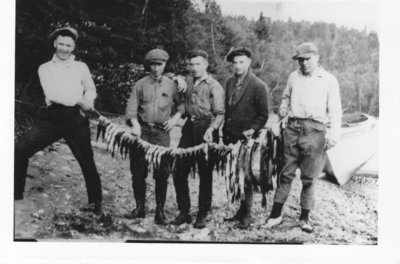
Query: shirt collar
[57, 61]
[318, 72]
[240, 78]
[153, 79]
[205, 78]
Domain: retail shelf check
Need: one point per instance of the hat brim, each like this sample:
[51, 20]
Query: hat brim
[155, 61]
[303, 56]
[232, 55]
[70, 32]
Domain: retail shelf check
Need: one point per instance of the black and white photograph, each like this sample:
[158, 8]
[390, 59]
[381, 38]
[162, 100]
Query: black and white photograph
[198, 122]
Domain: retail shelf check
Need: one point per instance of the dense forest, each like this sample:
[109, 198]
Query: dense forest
[115, 35]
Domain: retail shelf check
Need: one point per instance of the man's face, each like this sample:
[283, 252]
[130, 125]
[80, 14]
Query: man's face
[241, 64]
[198, 66]
[64, 45]
[157, 69]
[308, 65]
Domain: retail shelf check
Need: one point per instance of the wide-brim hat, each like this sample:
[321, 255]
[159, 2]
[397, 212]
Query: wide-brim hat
[69, 30]
[238, 52]
[305, 50]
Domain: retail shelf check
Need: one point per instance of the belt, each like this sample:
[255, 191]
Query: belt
[298, 119]
[153, 125]
[195, 118]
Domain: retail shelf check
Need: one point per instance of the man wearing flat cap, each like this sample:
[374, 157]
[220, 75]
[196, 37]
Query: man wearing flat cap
[68, 88]
[311, 100]
[149, 111]
[246, 113]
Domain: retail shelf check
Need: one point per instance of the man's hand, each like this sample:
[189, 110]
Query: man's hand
[249, 133]
[170, 123]
[208, 136]
[84, 105]
[136, 129]
[283, 112]
[181, 83]
[329, 143]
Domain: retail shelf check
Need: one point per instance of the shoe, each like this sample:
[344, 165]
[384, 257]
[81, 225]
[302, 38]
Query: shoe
[271, 222]
[138, 212]
[200, 221]
[306, 226]
[244, 223]
[160, 218]
[182, 218]
[97, 210]
[236, 217]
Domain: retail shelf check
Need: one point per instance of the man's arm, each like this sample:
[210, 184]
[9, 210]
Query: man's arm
[131, 111]
[218, 110]
[46, 83]
[334, 112]
[283, 109]
[180, 110]
[89, 94]
[261, 106]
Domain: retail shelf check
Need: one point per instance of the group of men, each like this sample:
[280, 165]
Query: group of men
[156, 105]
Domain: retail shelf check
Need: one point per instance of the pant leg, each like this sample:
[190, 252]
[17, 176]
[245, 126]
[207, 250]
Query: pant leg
[37, 138]
[205, 168]
[182, 171]
[291, 156]
[161, 174]
[78, 138]
[312, 148]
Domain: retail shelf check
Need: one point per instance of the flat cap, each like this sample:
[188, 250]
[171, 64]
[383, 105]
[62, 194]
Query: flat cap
[156, 55]
[238, 52]
[305, 50]
[65, 30]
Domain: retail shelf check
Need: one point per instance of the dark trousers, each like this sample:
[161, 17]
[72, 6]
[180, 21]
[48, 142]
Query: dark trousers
[58, 122]
[304, 143]
[192, 135]
[139, 168]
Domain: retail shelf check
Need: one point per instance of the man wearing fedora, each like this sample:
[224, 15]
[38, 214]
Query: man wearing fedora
[68, 88]
[149, 112]
[311, 100]
[246, 113]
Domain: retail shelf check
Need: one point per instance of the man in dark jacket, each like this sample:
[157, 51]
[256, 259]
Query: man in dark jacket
[246, 113]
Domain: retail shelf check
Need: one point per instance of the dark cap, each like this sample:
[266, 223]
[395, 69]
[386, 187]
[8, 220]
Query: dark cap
[69, 31]
[305, 50]
[238, 52]
[156, 55]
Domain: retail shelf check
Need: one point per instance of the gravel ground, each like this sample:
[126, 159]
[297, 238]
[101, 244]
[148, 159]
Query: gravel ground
[55, 190]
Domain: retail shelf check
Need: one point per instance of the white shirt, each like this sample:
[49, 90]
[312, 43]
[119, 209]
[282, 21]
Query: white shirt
[317, 97]
[67, 82]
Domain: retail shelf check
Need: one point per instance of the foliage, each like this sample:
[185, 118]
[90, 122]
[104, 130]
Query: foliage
[115, 35]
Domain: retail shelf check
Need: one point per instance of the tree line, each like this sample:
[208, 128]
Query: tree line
[115, 35]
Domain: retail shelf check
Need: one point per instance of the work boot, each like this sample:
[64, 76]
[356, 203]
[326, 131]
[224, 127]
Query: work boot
[245, 220]
[238, 215]
[92, 207]
[182, 218]
[200, 220]
[160, 218]
[138, 212]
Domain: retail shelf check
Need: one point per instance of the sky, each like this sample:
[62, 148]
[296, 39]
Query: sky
[351, 14]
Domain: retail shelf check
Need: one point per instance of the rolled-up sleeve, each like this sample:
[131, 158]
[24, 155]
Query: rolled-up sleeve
[132, 105]
[89, 87]
[217, 105]
[334, 109]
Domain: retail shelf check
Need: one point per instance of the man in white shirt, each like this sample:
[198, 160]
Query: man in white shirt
[311, 100]
[68, 88]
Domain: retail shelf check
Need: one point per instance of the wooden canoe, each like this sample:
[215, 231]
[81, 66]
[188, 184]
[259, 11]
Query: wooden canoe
[357, 145]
